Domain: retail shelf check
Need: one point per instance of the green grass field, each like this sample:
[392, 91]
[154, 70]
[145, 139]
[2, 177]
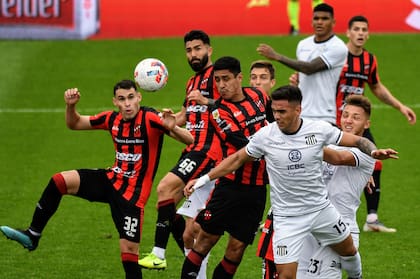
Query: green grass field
[80, 240]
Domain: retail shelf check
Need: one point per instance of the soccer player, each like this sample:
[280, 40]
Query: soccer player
[320, 59]
[362, 68]
[137, 133]
[293, 11]
[346, 175]
[262, 74]
[292, 148]
[197, 158]
[238, 200]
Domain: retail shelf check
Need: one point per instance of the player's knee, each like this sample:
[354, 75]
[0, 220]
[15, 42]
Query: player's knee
[130, 247]
[188, 238]
[169, 188]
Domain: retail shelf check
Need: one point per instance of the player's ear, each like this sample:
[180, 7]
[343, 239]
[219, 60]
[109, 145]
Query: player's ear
[367, 124]
[114, 101]
[140, 96]
[210, 51]
[240, 76]
[272, 83]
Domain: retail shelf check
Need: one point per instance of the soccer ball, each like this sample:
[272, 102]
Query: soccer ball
[151, 74]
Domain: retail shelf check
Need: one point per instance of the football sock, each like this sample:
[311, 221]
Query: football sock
[191, 265]
[166, 216]
[372, 200]
[225, 269]
[352, 265]
[131, 266]
[177, 230]
[48, 203]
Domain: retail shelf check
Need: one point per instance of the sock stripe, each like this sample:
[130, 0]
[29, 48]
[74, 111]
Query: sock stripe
[195, 257]
[166, 202]
[60, 183]
[129, 257]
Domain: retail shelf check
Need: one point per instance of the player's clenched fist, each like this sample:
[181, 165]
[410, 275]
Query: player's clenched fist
[71, 96]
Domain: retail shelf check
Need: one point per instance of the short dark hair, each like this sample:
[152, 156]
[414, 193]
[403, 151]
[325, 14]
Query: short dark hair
[228, 63]
[265, 65]
[287, 92]
[125, 84]
[359, 101]
[358, 18]
[323, 7]
[197, 35]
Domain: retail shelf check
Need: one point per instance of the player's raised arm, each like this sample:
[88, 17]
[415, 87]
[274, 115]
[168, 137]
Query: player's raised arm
[74, 120]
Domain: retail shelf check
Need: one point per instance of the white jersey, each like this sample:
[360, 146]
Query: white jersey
[294, 165]
[345, 184]
[319, 89]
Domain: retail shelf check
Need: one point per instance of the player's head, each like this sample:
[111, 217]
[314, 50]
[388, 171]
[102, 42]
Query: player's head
[228, 77]
[198, 49]
[358, 30]
[262, 74]
[126, 98]
[323, 7]
[286, 105]
[323, 21]
[355, 118]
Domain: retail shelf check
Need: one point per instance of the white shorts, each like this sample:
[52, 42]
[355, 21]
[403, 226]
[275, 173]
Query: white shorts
[197, 201]
[290, 232]
[320, 262]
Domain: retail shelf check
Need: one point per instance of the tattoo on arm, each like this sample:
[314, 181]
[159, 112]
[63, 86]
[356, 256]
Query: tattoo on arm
[366, 146]
[308, 68]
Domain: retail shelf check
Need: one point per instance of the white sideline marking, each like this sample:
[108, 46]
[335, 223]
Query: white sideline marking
[97, 110]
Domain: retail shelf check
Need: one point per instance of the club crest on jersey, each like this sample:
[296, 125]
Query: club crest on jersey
[311, 140]
[204, 83]
[137, 129]
[260, 105]
[295, 155]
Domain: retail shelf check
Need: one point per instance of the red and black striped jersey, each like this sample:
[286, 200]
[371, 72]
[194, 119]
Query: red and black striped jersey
[357, 71]
[197, 116]
[138, 144]
[235, 122]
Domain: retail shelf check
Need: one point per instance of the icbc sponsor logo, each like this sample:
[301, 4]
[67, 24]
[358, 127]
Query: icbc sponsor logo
[38, 12]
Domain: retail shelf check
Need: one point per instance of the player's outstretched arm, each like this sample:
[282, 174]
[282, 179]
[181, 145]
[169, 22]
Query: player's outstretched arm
[228, 165]
[74, 120]
[308, 68]
[367, 147]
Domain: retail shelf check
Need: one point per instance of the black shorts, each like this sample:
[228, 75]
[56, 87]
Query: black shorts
[193, 165]
[96, 187]
[236, 209]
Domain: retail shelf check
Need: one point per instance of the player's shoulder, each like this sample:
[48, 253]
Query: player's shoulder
[310, 40]
[338, 44]
[149, 109]
[319, 126]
